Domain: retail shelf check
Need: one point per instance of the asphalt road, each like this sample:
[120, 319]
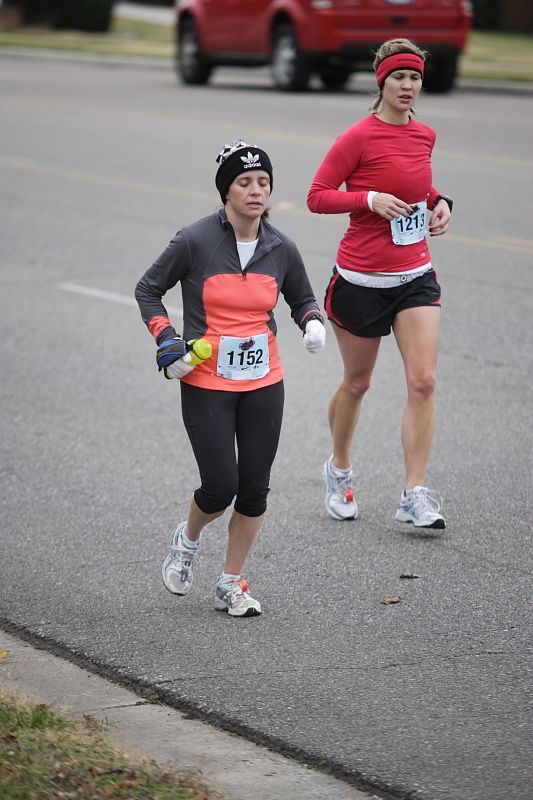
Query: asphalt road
[427, 698]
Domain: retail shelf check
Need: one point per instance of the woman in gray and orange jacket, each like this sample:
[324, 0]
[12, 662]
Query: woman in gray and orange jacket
[231, 266]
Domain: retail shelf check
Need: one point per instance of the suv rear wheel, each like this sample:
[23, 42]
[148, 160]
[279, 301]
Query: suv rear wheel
[193, 67]
[290, 70]
[441, 75]
[334, 77]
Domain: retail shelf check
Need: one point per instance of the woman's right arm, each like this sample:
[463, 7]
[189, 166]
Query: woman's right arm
[342, 160]
[171, 266]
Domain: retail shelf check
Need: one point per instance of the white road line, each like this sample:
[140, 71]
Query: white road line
[111, 297]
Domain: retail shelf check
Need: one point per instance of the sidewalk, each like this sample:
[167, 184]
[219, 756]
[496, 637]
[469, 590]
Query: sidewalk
[227, 765]
[159, 15]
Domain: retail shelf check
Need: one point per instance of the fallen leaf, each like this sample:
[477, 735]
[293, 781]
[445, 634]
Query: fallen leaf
[3, 653]
[389, 601]
[409, 575]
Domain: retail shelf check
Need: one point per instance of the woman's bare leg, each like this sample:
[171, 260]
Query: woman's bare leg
[242, 534]
[359, 358]
[197, 520]
[417, 334]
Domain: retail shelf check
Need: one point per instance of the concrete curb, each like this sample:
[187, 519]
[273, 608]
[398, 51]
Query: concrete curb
[229, 766]
[159, 15]
[100, 60]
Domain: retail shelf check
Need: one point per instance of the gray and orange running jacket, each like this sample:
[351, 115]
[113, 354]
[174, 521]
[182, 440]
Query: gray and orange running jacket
[222, 300]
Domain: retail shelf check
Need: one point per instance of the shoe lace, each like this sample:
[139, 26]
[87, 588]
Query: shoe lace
[236, 591]
[182, 557]
[344, 486]
[426, 499]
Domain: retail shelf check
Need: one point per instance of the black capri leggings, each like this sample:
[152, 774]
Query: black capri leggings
[215, 421]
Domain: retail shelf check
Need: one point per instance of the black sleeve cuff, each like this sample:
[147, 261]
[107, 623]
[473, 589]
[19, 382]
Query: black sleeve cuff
[448, 200]
[167, 333]
[315, 315]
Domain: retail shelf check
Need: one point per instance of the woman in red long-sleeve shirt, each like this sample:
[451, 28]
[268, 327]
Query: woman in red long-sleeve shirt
[384, 278]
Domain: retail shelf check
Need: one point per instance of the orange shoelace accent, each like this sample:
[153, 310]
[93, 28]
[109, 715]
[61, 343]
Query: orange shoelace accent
[348, 495]
[243, 584]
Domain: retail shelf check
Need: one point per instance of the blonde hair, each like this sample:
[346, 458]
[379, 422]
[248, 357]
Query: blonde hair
[391, 48]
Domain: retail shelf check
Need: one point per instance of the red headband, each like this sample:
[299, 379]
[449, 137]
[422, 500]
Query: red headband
[396, 62]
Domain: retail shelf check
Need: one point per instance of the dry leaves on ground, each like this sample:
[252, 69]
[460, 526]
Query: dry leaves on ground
[389, 601]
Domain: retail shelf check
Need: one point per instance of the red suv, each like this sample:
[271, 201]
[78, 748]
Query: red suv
[332, 38]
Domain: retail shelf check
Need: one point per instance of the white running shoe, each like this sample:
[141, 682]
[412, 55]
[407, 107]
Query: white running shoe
[340, 500]
[421, 507]
[177, 566]
[235, 600]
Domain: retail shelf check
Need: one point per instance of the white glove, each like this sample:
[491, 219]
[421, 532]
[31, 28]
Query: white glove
[180, 367]
[315, 336]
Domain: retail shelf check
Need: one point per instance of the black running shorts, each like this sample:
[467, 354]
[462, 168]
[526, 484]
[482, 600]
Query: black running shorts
[370, 312]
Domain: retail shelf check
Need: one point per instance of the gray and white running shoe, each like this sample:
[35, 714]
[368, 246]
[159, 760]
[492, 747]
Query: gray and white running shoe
[421, 507]
[340, 500]
[178, 565]
[235, 600]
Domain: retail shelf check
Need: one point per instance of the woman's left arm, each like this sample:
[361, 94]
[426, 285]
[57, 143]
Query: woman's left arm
[441, 216]
[297, 291]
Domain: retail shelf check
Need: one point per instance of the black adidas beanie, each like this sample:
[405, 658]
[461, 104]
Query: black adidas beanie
[236, 158]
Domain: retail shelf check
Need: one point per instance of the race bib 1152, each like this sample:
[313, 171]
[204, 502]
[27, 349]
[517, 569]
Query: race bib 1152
[243, 358]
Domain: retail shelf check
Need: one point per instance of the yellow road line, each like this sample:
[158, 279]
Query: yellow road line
[492, 158]
[24, 164]
[176, 119]
[525, 242]
[506, 243]
[252, 131]
[493, 243]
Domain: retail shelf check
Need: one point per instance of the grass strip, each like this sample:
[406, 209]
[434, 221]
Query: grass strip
[126, 38]
[45, 754]
[498, 56]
